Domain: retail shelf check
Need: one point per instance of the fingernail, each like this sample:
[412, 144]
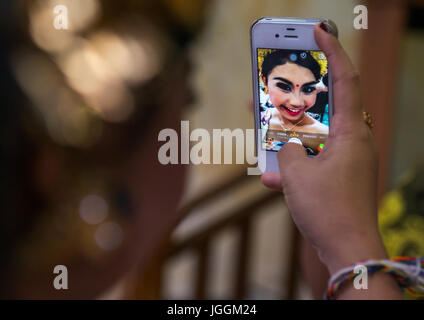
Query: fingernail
[324, 27]
[295, 140]
[329, 27]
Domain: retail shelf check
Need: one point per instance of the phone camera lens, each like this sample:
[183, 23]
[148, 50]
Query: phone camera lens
[277, 35]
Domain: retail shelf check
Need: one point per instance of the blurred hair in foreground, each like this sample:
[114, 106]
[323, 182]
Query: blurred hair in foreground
[81, 109]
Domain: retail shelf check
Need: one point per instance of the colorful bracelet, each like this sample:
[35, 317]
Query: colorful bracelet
[407, 271]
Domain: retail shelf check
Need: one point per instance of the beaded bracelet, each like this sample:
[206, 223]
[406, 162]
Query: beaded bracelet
[407, 271]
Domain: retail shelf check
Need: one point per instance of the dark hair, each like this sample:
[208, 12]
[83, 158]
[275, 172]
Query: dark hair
[281, 57]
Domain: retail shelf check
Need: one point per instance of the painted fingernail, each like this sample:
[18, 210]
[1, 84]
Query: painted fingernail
[324, 27]
[295, 140]
[329, 27]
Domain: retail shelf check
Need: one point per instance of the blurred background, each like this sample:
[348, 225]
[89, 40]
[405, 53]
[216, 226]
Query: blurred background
[81, 111]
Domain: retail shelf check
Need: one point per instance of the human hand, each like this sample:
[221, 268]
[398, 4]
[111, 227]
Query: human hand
[332, 197]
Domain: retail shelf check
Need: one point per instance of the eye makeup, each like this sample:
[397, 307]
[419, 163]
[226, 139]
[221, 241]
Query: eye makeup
[287, 85]
[308, 89]
[284, 86]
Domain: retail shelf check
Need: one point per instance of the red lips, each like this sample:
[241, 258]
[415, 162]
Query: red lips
[292, 111]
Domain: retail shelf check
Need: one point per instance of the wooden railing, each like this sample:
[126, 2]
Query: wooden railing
[150, 283]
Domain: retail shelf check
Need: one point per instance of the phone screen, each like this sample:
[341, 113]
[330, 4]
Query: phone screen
[293, 98]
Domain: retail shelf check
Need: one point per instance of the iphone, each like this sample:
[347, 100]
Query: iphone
[292, 88]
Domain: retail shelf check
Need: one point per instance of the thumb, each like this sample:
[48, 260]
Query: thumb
[347, 100]
[291, 154]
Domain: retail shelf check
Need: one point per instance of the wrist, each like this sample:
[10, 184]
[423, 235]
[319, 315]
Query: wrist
[355, 251]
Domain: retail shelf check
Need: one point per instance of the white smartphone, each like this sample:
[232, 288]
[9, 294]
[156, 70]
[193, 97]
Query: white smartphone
[292, 88]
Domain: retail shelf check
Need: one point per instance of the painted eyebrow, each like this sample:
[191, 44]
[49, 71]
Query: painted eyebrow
[291, 83]
[309, 83]
[284, 80]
